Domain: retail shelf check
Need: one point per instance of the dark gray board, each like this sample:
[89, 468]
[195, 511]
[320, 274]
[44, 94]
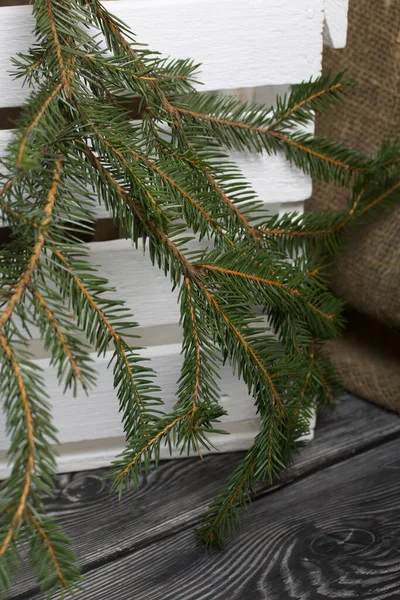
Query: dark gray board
[172, 499]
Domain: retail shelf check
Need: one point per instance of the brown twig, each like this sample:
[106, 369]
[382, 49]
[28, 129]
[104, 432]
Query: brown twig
[30, 444]
[310, 98]
[24, 280]
[64, 79]
[35, 122]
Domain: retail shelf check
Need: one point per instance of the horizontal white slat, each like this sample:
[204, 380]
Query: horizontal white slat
[335, 27]
[145, 289]
[241, 43]
[143, 286]
[96, 415]
[272, 177]
[90, 430]
[94, 454]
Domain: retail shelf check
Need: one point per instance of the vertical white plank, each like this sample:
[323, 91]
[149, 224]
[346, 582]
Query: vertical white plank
[335, 26]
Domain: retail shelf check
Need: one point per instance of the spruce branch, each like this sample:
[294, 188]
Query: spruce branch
[23, 393]
[35, 123]
[54, 324]
[167, 182]
[306, 99]
[50, 549]
[23, 282]
[134, 389]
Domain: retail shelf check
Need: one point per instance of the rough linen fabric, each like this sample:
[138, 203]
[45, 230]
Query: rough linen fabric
[368, 269]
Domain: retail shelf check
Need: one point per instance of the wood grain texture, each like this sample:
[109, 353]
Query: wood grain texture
[334, 534]
[335, 26]
[280, 41]
[174, 497]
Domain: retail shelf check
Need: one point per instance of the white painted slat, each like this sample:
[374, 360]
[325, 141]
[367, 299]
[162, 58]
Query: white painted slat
[240, 43]
[273, 179]
[143, 286]
[335, 26]
[145, 289]
[90, 430]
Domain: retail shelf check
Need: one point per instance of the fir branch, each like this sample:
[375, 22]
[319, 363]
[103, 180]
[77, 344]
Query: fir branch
[309, 372]
[123, 160]
[309, 99]
[318, 156]
[379, 199]
[212, 528]
[35, 123]
[59, 333]
[268, 282]
[50, 549]
[23, 282]
[246, 347]
[149, 445]
[190, 271]
[358, 208]
[185, 194]
[53, 25]
[7, 187]
[121, 347]
[264, 457]
[17, 216]
[309, 150]
[5, 316]
[196, 338]
[251, 231]
[250, 277]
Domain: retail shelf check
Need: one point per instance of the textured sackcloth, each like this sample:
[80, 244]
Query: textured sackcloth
[367, 358]
[367, 273]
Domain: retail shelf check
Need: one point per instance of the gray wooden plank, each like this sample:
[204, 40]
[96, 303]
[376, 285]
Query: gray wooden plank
[178, 493]
[333, 534]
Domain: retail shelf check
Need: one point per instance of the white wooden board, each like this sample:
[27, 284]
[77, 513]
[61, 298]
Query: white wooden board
[241, 43]
[143, 286]
[272, 177]
[89, 424]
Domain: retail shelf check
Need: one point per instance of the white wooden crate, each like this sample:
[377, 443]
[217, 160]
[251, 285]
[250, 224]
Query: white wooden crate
[255, 46]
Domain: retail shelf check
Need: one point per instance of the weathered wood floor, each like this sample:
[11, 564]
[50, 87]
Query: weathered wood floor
[331, 529]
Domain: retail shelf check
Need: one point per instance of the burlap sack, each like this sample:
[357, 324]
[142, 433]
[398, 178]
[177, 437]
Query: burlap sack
[367, 357]
[367, 274]
[368, 271]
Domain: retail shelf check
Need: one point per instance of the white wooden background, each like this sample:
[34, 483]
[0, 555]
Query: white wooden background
[256, 48]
